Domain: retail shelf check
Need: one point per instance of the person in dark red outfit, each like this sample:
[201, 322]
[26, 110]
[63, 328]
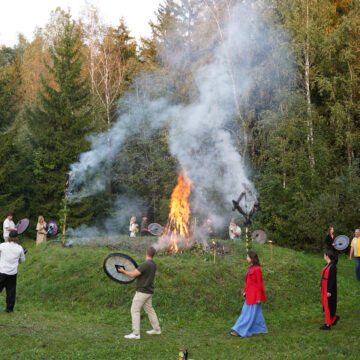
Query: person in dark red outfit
[251, 320]
[328, 290]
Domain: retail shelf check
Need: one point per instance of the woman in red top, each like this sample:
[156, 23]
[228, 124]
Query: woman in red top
[251, 320]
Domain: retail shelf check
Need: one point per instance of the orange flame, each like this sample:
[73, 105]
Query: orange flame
[178, 224]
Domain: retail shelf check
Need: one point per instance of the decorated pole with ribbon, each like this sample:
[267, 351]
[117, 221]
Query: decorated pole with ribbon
[247, 238]
[65, 209]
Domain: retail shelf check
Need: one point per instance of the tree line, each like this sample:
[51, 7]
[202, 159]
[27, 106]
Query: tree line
[298, 129]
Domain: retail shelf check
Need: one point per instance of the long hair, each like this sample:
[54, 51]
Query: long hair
[132, 220]
[41, 219]
[331, 227]
[254, 258]
[332, 256]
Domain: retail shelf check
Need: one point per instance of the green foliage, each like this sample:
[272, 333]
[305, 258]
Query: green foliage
[145, 166]
[60, 123]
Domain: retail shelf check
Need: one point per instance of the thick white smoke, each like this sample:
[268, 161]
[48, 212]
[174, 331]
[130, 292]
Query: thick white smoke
[199, 135]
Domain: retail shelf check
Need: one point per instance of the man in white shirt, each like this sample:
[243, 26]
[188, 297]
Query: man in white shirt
[11, 254]
[8, 225]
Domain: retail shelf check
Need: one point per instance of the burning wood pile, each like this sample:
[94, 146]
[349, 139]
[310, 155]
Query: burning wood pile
[177, 233]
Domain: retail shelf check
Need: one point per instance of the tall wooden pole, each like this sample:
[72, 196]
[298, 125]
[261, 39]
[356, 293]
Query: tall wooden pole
[247, 238]
[67, 183]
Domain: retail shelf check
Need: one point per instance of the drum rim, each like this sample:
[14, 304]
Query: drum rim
[124, 256]
[258, 230]
[151, 232]
[342, 237]
[28, 223]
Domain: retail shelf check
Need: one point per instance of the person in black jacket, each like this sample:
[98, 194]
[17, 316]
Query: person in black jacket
[330, 245]
[330, 237]
[328, 289]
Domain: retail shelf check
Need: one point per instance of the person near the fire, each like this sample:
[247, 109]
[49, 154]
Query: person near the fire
[328, 290]
[234, 230]
[144, 275]
[41, 233]
[11, 254]
[8, 225]
[144, 231]
[207, 228]
[251, 320]
[355, 251]
[133, 228]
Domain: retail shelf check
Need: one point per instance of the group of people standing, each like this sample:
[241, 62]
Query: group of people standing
[12, 254]
[134, 227]
[354, 249]
[41, 228]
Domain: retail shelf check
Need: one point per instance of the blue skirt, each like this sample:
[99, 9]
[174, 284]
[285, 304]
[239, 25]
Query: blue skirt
[251, 321]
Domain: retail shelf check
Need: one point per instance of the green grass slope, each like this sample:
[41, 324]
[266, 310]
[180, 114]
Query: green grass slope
[68, 309]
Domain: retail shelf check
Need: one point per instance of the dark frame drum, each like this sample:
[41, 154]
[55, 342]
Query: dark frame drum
[116, 260]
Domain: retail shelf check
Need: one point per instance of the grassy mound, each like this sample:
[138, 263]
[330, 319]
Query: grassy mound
[68, 309]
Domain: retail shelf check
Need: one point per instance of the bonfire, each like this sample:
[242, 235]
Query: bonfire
[177, 229]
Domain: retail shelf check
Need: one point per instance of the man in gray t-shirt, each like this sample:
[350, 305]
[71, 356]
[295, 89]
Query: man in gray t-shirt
[145, 275]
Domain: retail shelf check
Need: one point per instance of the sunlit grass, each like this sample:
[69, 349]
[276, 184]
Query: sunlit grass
[67, 308]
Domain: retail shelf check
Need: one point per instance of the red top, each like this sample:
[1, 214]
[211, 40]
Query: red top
[254, 288]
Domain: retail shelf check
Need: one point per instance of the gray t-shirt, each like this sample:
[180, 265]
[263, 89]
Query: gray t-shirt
[145, 282]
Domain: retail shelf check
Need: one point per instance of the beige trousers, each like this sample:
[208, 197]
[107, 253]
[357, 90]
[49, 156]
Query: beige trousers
[143, 300]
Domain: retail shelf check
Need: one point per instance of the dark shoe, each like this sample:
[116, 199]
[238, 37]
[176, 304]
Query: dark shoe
[336, 320]
[8, 310]
[234, 333]
[325, 327]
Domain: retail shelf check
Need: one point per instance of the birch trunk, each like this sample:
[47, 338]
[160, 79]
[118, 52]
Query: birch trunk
[310, 135]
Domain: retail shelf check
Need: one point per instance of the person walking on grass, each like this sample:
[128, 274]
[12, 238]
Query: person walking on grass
[355, 251]
[145, 275]
[251, 320]
[11, 254]
[328, 290]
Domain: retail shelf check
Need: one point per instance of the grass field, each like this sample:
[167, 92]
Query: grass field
[68, 309]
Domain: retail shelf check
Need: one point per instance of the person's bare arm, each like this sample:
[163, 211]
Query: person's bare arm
[135, 273]
[351, 253]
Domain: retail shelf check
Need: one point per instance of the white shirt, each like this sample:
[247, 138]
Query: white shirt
[11, 254]
[7, 224]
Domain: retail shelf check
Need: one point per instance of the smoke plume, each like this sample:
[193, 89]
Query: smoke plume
[201, 133]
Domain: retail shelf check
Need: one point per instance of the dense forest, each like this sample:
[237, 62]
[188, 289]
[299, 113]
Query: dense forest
[299, 125]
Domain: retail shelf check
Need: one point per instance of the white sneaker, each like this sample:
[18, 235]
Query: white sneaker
[154, 332]
[132, 336]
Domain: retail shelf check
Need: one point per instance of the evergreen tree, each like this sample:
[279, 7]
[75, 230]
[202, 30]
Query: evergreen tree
[9, 105]
[60, 123]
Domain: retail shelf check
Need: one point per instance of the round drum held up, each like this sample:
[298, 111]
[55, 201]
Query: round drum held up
[341, 242]
[115, 261]
[22, 225]
[259, 236]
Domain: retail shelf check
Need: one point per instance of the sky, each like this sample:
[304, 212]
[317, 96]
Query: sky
[23, 16]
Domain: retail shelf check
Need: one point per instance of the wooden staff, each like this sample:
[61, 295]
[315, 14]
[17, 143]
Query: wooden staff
[67, 183]
[247, 239]
[214, 244]
[64, 224]
[271, 249]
